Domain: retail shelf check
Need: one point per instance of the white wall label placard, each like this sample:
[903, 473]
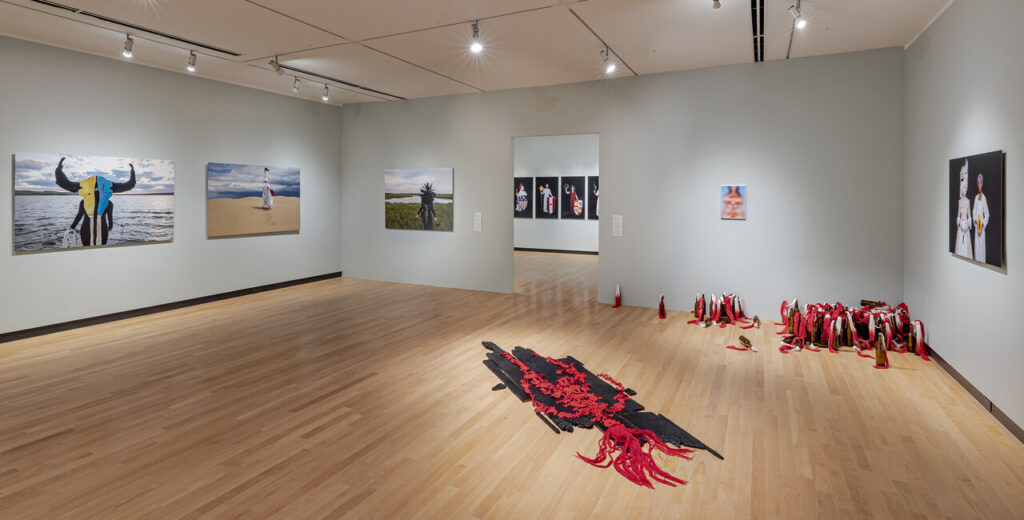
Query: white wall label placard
[616, 225]
[477, 221]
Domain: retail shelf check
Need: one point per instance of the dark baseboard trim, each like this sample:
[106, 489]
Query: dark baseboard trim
[107, 318]
[1003, 419]
[567, 251]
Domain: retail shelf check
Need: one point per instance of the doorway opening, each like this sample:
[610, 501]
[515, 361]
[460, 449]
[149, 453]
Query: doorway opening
[556, 187]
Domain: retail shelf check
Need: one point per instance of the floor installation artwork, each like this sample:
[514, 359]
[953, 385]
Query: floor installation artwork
[358, 399]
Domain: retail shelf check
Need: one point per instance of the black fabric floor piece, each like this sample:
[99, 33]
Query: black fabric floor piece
[631, 416]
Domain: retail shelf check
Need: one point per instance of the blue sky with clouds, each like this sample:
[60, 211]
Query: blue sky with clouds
[235, 181]
[34, 171]
[409, 180]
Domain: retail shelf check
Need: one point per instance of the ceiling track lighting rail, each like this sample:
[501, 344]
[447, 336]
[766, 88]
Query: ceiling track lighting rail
[137, 28]
[329, 79]
[609, 50]
[757, 28]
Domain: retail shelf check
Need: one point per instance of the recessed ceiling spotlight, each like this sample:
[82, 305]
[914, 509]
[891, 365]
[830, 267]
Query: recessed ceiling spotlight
[476, 47]
[191, 62]
[128, 44]
[324, 97]
[295, 85]
[276, 65]
[609, 65]
[717, 4]
[798, 18]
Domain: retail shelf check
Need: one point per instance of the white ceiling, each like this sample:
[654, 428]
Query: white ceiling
[372, 50]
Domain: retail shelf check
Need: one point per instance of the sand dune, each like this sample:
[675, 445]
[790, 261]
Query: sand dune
[229, 217]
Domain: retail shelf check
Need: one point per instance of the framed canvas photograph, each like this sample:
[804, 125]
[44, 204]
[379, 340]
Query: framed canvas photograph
[245, 199]
[67, 201]
[976, 207]
[573, 194]
[522, 190]
[419, 199]
[547, 198]
[593, 197]
[734, 202]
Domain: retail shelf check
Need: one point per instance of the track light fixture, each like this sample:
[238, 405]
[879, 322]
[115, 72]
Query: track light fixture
[476, 47]
[717, 4]
[128, 44]
[276, 65]
[609, 65]
[798, 18]
[295, 85]
[191, 62]
[324, 97]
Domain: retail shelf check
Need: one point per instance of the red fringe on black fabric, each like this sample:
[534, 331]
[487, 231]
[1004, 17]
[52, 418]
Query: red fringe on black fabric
[634, 460]
[572, 391]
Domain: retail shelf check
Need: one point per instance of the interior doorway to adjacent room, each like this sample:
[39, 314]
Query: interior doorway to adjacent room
[556, 190]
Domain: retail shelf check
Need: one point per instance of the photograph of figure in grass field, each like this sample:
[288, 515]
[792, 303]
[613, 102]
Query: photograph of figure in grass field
[419, 198]
[245, 199]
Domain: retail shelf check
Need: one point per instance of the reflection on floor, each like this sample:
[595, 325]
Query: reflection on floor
[358, 399]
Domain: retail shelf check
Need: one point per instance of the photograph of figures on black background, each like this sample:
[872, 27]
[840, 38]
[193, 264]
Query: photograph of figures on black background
[65, 201]
[734, 202]
[593, 198]
[523, 192]
[976, 207]
[573, 193]
[547, 197]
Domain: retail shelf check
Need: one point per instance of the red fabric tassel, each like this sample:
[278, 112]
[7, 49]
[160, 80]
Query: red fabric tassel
[633, 459]
[618, 297]
[661, 308]
[734, 347]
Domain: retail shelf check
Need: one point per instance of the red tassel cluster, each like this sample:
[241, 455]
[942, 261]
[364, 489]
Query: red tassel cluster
[724, 311]
[628, 450]
[661, 308]
[634, 459]
[875, 326]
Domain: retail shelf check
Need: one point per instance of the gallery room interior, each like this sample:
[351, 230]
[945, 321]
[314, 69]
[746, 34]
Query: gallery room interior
[511, 259]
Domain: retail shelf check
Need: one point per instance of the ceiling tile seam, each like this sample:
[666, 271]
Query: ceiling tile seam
[299, 51]
[161, 42]
[464, 22]
[294, 19]
[929, 24]
[600, 39]
[421, 67]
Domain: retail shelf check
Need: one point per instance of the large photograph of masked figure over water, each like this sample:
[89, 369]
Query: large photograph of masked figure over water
[66, 201]
[976, 202]
[419, 198]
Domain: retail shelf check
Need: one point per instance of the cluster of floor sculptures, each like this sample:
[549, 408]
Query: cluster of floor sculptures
[874, 326]
[565, 394]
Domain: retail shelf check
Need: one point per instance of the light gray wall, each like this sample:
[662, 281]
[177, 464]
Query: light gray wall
[964, 82]
[54, 100]
[817, 141]
[556, 156]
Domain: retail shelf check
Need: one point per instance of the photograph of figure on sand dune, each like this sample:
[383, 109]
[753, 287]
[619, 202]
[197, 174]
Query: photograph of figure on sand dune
[244, 199]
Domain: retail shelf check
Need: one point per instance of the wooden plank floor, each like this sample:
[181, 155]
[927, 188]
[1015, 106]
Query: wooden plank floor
[358, 399]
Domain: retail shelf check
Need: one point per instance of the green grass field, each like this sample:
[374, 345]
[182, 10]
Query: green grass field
[401, 215]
